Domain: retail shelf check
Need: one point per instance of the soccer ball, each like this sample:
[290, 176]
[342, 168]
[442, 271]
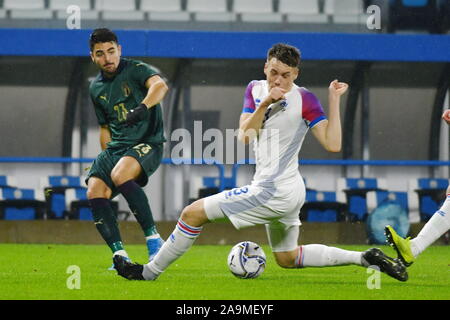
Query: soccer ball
[247, 260]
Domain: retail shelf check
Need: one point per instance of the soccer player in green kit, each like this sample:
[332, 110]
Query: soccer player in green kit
[126, 95]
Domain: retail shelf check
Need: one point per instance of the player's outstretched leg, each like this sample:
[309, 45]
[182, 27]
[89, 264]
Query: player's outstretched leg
[438, 225]
[402, 246]
[318, 255]
[283, 238]
[188, 229]
[386, 264]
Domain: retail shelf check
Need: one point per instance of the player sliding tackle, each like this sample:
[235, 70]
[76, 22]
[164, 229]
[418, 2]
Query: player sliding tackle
[275, 108]
[407, 249]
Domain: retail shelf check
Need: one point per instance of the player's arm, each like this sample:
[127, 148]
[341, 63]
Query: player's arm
[105, 136]
[446, 116]
[105, 132]
[329, 132]
[251, 123]
[157, 89]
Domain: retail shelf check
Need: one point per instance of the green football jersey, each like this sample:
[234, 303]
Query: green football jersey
[114, 97]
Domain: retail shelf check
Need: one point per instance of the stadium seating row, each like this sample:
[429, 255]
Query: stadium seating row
[293, 11]
[60, 197]
[64, 197]
[355, 198]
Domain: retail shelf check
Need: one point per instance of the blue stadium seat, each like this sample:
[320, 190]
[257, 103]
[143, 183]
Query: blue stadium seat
[8, 182]
[76, 200]
[430, 194]
[375, 198]
[353, 192]
[55, 188]
[21, 204]
[322, 206]
[211, 185]
[79, 207]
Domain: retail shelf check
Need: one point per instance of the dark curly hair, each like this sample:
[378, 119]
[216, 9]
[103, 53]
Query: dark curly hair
[101, 35]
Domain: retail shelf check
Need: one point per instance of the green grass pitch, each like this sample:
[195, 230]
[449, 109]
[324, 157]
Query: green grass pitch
[37, 271]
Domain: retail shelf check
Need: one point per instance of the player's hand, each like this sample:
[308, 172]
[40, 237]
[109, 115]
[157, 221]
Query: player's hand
[446, 116]
[276, 94]
[136, 115]
[337, 89]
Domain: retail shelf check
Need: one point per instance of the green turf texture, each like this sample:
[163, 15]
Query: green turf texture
[38, 271]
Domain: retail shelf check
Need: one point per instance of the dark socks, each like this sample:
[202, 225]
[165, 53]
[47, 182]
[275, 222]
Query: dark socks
[106, 223]
[138, 202]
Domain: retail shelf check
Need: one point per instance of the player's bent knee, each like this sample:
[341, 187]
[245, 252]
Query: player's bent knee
[189, 215]
[194, 215]
[98, 189]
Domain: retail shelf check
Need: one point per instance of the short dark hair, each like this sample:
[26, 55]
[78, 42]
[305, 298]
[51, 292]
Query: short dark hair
[102, 35]
[285, 53]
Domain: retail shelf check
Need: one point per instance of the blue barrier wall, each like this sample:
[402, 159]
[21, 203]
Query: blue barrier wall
[231, 45]
[232, 180]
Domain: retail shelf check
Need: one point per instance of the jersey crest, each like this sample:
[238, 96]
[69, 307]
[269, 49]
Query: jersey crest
[126, 89]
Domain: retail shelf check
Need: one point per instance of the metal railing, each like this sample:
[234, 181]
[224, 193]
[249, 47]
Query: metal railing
[235, 167]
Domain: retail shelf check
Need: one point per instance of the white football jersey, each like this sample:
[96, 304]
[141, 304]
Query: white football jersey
[285, 125]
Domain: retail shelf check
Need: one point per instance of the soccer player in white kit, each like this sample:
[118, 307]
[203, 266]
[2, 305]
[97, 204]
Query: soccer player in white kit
[408, 250]
[276, 116]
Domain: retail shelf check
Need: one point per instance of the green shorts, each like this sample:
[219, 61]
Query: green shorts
[148, 155]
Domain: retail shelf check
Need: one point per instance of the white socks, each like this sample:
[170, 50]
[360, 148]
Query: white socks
[433, 229]
[122, 253]
[153, 236]
[318, 255]
[181, 239]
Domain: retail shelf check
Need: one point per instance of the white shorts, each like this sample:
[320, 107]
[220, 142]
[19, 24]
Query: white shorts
[276, 207]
